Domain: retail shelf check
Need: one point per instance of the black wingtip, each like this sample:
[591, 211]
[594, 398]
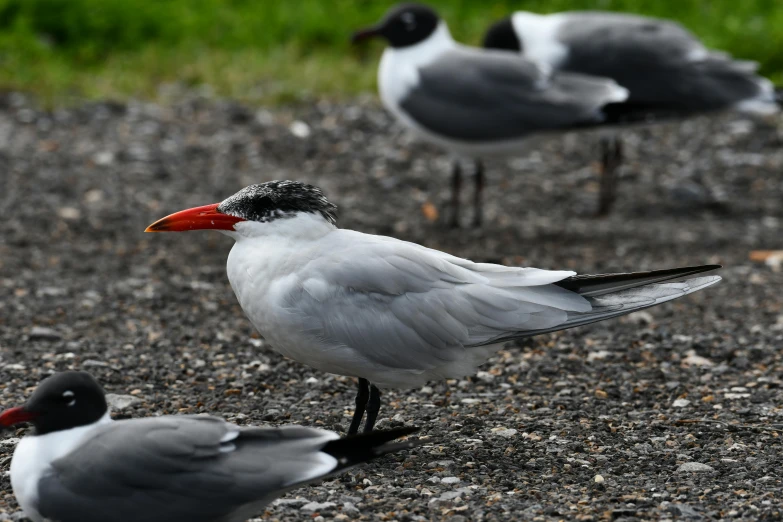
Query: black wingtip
[358, 448]
[595, 285]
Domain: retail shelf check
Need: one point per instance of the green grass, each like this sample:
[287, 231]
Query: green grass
[261, 51]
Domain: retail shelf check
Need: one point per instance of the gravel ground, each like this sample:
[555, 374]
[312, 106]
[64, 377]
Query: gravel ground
[672, 413]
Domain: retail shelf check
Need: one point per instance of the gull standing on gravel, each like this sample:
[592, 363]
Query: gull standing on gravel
[666, 69]
[393, 313]
[475, 102]
[80, 466]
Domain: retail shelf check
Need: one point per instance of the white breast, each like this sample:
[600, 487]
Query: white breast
[398, 72]
[538, 35]
[33, 457]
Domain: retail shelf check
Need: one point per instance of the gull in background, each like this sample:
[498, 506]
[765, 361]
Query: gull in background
[81, 466]
[475, 102]
[666, 69]
[389, 312]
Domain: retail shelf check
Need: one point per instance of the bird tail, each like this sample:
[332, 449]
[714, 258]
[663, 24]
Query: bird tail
[737, 80]
[355, 449]
[779, 96]
[613, 295]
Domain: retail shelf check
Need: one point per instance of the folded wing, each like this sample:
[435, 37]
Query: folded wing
[180, 469]
[483, 95]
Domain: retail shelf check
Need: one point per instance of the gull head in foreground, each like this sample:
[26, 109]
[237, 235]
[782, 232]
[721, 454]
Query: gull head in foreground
[79, 465]
[393, 313]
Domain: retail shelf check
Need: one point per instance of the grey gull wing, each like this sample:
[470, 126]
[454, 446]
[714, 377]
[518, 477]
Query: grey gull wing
[480, 96]
[173, 469]
[407, 307]
[660, 62]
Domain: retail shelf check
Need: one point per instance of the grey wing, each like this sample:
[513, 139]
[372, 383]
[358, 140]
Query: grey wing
[179, 469]
[661, 63]
[486, 95]
[404, 306]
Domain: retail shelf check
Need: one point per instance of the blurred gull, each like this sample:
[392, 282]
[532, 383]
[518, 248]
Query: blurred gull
[474, 102]
[667, 70]
[81, 466]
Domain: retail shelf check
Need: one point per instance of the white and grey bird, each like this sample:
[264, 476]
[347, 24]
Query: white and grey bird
[666, 69]
[475, 102]
[393, 313]
[81, 466]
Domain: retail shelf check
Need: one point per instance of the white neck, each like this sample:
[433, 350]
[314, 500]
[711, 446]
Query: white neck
[538, 36]
[33, 457]
[304, 225]
[398, 72]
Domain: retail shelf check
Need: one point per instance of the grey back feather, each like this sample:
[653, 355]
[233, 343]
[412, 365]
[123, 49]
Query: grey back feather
[177, 469]
[659, 61]
[404, 306]
[485, 95]
[400, 305]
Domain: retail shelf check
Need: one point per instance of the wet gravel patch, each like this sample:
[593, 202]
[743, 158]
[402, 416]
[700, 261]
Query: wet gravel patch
[672, 413]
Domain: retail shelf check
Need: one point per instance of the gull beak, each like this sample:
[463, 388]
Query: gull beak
[13, 416]
[198, 218]
[366, 34]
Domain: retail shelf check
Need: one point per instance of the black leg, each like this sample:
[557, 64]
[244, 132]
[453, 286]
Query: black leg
[478, 195]
[611, 157]
[362, 395]
[456, 188]
[373, 407]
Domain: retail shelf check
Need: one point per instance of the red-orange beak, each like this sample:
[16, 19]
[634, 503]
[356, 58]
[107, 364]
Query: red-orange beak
[14, 416]
[199, 218]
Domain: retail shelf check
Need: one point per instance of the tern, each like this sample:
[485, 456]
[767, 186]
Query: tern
[81, 466]
[666, 69]
[395, 314]
[475, 102]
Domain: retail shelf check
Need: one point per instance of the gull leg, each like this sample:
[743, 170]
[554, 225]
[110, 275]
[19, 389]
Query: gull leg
[456, 188]
[611, 157]
[373, 407]
[362, 395]
[478, 195]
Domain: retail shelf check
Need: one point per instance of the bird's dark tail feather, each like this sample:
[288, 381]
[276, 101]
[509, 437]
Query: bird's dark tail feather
[613, 295]
[355, 449]
[779, 95]
[595, 285]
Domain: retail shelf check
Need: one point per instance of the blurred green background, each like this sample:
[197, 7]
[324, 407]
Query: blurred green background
[271, 51]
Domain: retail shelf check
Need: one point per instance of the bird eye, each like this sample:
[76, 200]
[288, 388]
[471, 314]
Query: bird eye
[409, 19]
[69, 396]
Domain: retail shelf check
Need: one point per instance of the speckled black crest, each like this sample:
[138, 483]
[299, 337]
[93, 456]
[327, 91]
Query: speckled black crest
[502, 36]
[272, 200]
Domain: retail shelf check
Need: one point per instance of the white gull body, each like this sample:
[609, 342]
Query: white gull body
[397, 313]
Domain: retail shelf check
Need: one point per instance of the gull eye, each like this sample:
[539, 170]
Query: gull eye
[409, 19]
[69, 396]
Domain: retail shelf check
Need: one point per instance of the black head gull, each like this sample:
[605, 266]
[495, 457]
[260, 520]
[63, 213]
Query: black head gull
[80, 466]
[475, 102]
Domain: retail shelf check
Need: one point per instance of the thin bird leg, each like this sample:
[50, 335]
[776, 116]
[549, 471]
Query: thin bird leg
[456, 188]
[373, 407]
[611, 157]
[478, 195]
[362, 395]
